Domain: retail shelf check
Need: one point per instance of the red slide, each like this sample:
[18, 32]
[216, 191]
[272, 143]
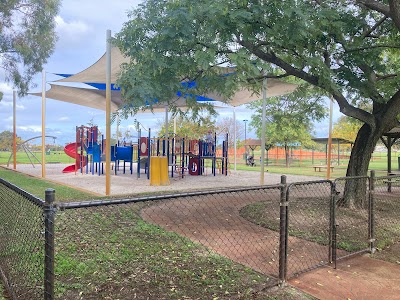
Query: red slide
[70, 150]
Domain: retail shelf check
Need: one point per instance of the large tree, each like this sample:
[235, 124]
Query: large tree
[347, 49]
[27, 38]
[289, 119]
[186, 128]
[6, 140]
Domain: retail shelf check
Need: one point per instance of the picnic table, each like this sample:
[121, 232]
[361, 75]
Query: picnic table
[320, 168]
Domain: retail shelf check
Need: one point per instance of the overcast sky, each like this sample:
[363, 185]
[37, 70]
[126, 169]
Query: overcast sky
[81, 28]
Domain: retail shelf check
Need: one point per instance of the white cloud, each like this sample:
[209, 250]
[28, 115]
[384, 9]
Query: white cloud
[64, 119]
[31, 128]
[70, 32]
[5, 88]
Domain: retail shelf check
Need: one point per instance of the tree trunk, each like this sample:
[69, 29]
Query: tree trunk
[356, 188]
[287, 155]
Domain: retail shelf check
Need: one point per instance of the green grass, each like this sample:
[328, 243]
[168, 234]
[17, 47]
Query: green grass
[38, 186]
[309, 220]
[112, 252]
[26, 158]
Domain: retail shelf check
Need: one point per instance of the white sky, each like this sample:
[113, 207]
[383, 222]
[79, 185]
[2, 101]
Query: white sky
[81, 27]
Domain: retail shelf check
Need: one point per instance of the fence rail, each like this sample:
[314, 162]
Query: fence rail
[236, 239]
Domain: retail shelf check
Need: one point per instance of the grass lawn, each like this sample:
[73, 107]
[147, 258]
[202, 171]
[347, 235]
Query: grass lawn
[111, 252]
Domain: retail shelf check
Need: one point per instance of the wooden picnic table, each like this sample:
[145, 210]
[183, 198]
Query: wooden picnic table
[320, 168]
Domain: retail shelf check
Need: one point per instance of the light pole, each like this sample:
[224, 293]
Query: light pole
[245, 129]
[245, 132]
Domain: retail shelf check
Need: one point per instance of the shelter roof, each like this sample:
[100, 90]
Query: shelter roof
[252, 142]
[393, 133]
[334, 140]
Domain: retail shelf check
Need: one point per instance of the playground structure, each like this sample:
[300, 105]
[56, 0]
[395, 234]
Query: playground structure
[183, 156]
[88, 152]
[31, 156]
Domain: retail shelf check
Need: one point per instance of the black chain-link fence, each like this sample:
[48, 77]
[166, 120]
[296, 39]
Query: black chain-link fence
[225, 243]
[385, 215]
[171, 247]
[352, 215]
[308, 221]
[21, 242]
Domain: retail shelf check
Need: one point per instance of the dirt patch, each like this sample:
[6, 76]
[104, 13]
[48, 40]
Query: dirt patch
[390, 253]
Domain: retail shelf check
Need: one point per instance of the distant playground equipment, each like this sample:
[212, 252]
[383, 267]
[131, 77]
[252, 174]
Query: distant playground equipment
[184, 156]
[28, 152]
[158, 157]
[88, 150]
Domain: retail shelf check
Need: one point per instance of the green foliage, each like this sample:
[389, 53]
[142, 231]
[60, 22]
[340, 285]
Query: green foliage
[27, 37]
[346, 128]
[348, 51]
[289, 118]
[187, 128]
[6, 140]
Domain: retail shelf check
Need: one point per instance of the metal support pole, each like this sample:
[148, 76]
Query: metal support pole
[49, 212]
[43, 124]
[371, 214]
[14, 130]
[108, 112]
[283, 232]
[263, 127]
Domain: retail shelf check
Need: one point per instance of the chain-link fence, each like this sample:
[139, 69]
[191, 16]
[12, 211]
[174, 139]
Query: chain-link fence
[308, 225]
[21, 242]
[223, 243]
[171, 247]
[385, 212]
[352, 218]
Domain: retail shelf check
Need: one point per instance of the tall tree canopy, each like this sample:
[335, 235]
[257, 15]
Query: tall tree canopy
[289, 119]
[347, 49]
[346, 128]
[27, 38]
[186, 128]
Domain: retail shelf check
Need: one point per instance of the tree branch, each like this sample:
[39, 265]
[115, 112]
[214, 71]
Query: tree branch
[370, 30]
[383, 77]
[372, 47]
[391, 11]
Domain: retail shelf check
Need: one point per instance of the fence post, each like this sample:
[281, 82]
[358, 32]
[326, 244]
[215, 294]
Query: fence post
[333, 225]
[283, 232]
[49, 244]
[371, 216]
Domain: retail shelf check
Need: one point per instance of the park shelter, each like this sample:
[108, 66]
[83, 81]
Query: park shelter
[391, 137]
[336, 141]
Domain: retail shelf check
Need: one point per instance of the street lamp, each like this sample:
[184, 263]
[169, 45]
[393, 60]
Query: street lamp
[245, 129]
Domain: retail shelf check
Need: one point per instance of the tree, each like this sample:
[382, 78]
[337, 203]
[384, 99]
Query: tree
[348, 50]
[187, 128]
[346, 128]
[228, 125]
[289, 119]
[27, 37]
[6, 140]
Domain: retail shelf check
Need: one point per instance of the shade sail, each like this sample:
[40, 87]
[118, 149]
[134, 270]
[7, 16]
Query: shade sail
[96, 98]
[93, 98]
[96, 73]
[95, 76]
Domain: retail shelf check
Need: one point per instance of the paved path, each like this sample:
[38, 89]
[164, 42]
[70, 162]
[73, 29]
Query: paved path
[214, 221]
[360, 277]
